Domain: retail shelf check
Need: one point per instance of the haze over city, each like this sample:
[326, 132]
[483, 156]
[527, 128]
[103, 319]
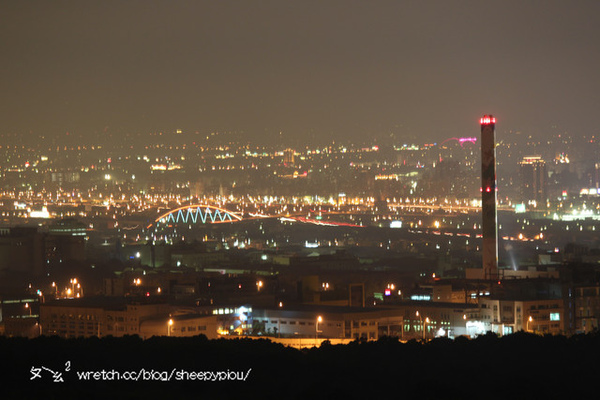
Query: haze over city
[339, 69]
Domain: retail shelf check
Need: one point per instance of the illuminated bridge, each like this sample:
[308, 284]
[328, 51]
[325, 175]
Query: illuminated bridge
[197, 214]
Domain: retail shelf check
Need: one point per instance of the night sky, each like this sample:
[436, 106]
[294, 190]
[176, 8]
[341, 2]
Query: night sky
[349, 69]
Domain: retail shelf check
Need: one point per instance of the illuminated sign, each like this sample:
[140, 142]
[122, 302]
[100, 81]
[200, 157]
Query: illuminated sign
[420, 297]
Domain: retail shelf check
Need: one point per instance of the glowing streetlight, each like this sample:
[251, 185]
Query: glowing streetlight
[319, 320]
[422, 322]
[169, 325]
[530, 319]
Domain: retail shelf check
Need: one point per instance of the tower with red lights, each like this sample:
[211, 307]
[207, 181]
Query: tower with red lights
[489, 197]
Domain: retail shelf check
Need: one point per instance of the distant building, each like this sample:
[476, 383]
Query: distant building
[586, 308]
[19, 315]
[509, 316]
[179, 326]
[99, 317]
[110, 316]
[66, 241]
[427, 319]
[288, 156]
[329, 322]
[21, 251]
[534, 180]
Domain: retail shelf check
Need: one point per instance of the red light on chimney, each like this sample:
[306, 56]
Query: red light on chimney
[487, 120]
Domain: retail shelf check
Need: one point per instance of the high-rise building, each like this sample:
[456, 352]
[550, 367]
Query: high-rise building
[534, 177]
[596, 178]
[489, 197]
[288, 156]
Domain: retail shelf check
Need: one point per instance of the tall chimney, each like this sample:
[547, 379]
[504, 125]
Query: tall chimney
[489, 197]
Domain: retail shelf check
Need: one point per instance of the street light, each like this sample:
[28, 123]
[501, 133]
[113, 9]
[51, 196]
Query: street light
[530, 319]
[420, 319]
[170, 324]
[422, 322]
[319, 319]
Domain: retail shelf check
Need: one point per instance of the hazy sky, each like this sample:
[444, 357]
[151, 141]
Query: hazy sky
[346, 68]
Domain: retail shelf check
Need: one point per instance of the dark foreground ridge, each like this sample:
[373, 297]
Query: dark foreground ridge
[512, 367]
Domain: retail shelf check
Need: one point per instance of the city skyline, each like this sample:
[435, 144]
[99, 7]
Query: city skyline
[345, 70]
[308, 177]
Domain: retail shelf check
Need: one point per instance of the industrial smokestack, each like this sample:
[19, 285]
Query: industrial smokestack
[489, 197]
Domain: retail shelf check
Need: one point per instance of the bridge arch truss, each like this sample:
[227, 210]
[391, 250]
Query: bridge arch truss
[197, 214]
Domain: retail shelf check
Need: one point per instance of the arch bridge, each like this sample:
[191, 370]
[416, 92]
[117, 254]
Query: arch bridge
[197, 214]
